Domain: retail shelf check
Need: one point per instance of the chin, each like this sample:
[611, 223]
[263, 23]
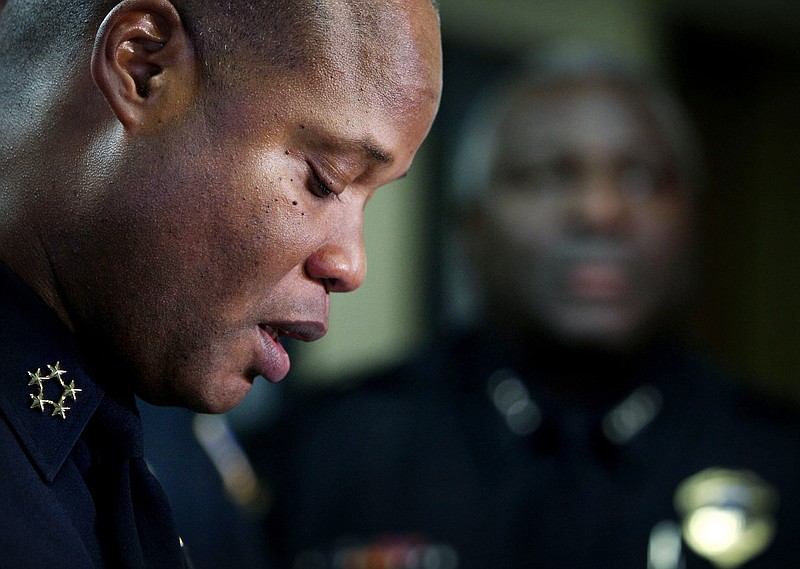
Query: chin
[218, 395]
[201, 394]
[217, 406]
[600, 330]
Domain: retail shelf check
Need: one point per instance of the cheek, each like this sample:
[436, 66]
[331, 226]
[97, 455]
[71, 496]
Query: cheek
[515, 254]
[523, 236]
[248, 226]
[663, 276]
[525, 220]
[665, 235]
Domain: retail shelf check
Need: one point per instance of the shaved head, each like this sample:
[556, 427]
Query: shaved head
[290, 35]
[284, 34]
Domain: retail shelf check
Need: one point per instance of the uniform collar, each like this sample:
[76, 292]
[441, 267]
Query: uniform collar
[529, 409]
[31, 338]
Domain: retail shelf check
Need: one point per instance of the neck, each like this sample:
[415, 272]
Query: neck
[23, 252]
[580, 372]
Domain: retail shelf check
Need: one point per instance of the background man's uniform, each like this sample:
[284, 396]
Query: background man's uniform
[461, 456]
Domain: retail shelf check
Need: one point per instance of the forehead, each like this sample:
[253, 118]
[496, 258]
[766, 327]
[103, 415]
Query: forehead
[378, 52]
[579, 118]
[389, 49]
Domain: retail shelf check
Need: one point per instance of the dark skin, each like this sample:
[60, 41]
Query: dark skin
[190, 225]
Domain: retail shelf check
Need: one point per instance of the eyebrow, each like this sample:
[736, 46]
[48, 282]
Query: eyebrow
[367, 146]
[380, 155]
[375, 152]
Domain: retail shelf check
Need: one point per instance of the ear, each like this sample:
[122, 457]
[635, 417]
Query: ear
[144, 63]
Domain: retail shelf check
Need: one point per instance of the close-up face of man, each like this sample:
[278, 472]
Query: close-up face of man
[587, 223]
[231, 229]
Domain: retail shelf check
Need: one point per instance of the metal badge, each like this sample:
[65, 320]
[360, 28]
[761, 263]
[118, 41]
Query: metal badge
[69, 391]
[727, 515]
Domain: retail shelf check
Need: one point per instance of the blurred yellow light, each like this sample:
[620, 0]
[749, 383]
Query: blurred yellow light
[711, 530]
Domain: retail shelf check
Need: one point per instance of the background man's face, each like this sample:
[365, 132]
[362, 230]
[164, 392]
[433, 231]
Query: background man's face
[227, 234]
[587, 225]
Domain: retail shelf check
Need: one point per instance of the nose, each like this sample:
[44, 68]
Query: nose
[600, 205]
[341, 264]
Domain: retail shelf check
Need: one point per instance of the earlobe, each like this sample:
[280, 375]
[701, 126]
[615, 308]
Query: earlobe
[143, 63]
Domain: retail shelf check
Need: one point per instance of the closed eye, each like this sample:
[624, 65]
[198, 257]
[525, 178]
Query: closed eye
[318, 187]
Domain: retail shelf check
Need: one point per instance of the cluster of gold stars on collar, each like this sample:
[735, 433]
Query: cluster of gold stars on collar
[69, 390]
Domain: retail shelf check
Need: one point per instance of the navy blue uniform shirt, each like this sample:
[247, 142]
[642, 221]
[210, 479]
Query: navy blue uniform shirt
[74, 491]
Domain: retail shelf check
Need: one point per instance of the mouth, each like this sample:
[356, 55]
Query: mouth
[309, 331]
[598, 282]
[273, 362]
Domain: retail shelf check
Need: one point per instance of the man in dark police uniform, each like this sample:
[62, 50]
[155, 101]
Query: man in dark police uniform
[572, 428]
[182, 184]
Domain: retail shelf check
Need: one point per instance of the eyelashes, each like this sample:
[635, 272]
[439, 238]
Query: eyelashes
[319, 187]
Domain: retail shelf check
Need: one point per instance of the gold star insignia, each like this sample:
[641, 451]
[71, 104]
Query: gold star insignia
[36, 378]
[56, 371]
[60, 409]
[39, 401]
[70, 391]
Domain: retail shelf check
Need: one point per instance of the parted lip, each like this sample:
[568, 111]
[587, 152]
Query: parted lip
[305, 331]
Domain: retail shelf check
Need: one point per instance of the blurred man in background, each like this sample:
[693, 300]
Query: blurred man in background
[571, 427]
